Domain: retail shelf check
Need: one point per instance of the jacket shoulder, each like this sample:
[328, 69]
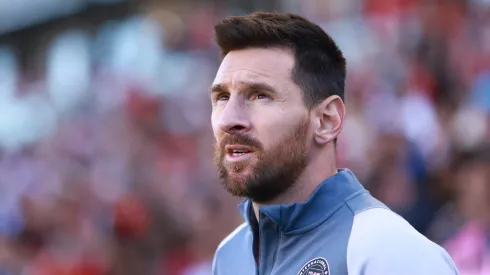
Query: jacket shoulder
[382, 242]
[235, 235]
[235, 241]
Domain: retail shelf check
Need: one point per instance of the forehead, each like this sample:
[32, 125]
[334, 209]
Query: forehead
[271, 65]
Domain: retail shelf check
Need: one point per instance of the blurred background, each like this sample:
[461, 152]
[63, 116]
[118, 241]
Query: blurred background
[106, 145]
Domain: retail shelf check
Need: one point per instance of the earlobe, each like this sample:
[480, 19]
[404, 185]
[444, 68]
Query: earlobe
[330, 114]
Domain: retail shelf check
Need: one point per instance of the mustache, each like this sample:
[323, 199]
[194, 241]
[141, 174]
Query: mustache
[240, 139]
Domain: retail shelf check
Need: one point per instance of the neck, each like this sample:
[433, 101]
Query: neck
[321, 167]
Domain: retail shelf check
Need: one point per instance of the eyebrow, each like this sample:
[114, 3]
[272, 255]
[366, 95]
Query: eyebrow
[248, 86]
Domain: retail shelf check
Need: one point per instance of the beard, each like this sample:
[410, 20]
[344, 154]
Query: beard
[271, 172]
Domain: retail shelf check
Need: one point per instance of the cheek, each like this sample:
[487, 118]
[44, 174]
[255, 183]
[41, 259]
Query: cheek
[215, 124]
[217, 133]
[274, 130]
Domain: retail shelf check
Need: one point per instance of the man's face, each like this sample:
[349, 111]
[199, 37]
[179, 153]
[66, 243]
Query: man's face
[261, 125]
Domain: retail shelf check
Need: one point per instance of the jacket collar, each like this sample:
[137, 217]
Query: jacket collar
[298, 218]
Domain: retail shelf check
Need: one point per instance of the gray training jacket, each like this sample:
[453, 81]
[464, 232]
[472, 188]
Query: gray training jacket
[341, 229]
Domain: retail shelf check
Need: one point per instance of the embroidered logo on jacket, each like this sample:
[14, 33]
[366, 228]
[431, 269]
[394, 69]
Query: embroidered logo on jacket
[317, 266]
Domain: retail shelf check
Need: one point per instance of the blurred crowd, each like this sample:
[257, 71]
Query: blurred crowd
[106, 147]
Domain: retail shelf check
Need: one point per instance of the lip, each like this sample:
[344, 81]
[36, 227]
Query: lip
[230, 148]
[229, 152]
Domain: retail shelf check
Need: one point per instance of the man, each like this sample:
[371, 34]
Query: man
[277, 109]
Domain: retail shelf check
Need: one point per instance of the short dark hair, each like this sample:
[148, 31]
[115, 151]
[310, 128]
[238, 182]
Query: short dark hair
[320, 66]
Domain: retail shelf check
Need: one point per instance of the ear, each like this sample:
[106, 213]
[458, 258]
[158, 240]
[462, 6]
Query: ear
[329, 119]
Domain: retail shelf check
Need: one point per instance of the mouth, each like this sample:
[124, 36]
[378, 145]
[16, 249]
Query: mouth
[237, 152]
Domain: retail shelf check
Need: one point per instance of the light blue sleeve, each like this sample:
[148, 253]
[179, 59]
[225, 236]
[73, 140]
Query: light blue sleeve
[220, 253]
[215, 266]
[381, 242]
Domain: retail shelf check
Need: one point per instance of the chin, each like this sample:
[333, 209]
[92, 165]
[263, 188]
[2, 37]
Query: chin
[236, 188]
[236, 182]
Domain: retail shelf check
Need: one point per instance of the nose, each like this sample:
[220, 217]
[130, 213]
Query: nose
[234, 118]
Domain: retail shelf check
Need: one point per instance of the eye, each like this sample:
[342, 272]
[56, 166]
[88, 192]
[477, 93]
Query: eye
[222, 97]
[263, 96]
[259, 96]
